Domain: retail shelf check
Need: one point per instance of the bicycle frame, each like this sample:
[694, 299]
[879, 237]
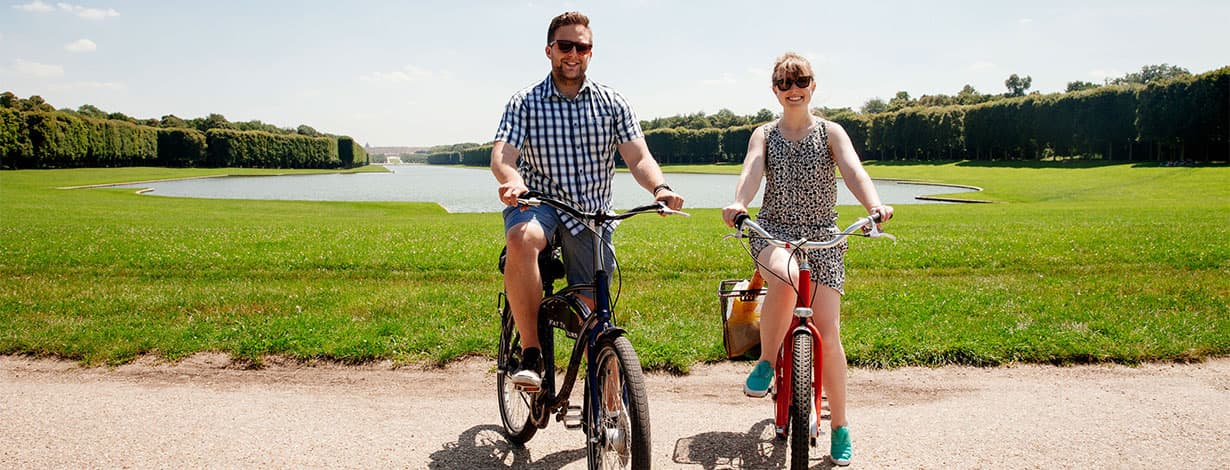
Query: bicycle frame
[597, 323]
[801, 321]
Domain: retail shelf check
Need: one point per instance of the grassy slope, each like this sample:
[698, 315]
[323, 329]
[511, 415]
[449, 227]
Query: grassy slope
[1073, 264]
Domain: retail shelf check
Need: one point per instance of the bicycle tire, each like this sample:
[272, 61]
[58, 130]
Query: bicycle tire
[516, 407]
[801, 400]
[621, 437]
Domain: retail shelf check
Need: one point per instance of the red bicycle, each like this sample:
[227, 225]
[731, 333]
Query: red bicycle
[799, 362]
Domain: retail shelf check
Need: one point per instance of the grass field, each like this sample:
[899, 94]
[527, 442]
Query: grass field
[1072, 263]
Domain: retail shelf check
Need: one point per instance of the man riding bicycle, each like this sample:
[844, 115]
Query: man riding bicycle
[559, 137]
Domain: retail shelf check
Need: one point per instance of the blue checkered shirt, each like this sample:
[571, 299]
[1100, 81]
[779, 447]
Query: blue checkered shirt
[567, 146]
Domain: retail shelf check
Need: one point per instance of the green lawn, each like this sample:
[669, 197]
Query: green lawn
[1072, 263]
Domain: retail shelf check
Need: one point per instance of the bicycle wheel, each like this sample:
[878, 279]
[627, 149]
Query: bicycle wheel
[620, 437]
[515, 406]
[801, 400]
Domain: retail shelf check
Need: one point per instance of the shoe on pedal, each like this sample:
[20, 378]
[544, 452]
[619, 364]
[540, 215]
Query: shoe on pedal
[757, 384]
[840, 449]
[528, 378]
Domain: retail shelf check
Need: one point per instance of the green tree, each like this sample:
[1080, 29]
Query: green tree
[901, 101]
[1153, 73]
[170, 121]
[874, 105]
[763, 116]
[89, 110]
[307, 130]
[1079, 85]
[8, 100]
[968, 96]
[1017, 86]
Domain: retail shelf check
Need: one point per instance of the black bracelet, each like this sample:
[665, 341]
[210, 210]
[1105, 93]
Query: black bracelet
[661, 187]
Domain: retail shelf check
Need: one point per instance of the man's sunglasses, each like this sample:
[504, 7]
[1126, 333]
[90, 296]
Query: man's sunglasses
[783, 84]
[568, 46]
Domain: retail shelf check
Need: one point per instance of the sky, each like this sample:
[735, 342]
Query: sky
[422, 73]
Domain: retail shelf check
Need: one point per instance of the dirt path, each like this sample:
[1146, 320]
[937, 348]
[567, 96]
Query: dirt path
[201, 413]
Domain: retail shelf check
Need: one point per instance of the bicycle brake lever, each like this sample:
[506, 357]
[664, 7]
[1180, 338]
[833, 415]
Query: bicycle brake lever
[668, 211]
[875, 232]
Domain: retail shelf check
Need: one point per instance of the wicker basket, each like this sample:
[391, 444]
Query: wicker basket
[740, 317]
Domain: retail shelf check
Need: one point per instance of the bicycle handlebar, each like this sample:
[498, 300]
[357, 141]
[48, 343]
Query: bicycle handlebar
[533, 198]
[743, 221]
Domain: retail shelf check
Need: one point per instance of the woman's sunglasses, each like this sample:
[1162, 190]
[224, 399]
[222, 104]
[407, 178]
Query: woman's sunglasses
[568, 46]
[783, 84]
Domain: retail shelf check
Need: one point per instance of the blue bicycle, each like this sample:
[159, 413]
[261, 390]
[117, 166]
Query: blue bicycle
[615, 410]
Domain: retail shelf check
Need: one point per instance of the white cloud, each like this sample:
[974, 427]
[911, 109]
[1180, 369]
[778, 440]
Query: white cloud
[87, 86]
[725, 79]
[81, 45]
[1025, 21]
[38, 70]
[982, 65]
[406, 74]
[88, 13]
[35, 6]
[1099, 74]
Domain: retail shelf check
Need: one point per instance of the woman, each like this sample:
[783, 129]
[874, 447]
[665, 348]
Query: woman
[798, 156]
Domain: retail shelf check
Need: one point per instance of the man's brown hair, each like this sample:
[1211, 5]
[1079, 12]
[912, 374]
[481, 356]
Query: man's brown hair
[566, 19]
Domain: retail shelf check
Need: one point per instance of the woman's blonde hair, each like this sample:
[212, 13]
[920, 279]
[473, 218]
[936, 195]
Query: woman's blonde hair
[791, 65]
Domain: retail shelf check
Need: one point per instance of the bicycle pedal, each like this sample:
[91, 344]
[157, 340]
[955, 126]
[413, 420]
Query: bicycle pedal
[570, 419]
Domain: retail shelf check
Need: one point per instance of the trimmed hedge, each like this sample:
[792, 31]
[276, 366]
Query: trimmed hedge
[181, 147]
[259, 149]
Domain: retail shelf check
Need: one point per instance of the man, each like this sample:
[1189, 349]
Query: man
[559, 137]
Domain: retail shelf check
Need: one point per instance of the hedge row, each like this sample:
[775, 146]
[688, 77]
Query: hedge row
[1181, 119]
[63, 140]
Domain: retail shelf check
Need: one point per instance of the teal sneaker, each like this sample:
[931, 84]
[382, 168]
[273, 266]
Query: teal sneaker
[757, 384]
[840, 449]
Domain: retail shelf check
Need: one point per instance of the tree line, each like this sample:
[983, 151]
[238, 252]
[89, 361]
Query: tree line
[33, 134]
[1162, 113]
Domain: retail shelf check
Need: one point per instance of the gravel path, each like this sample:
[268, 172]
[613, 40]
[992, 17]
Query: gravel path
[204, 413]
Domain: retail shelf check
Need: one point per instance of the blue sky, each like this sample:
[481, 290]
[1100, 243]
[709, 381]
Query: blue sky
[430, 72]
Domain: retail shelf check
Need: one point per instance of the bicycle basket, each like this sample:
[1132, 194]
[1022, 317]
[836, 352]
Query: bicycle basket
[740, 315]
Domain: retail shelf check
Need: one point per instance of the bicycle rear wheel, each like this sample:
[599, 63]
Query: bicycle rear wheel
[801, 400]
[620, 437]
[515, 406]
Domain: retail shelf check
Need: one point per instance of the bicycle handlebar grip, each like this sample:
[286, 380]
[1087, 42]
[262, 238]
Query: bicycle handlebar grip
[739, 219]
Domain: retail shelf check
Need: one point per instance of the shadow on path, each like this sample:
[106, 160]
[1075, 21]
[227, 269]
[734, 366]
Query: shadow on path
[485, 446]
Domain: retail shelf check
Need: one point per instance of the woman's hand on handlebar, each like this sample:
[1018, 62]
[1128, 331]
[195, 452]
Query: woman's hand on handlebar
[730, 212]
[879, 214]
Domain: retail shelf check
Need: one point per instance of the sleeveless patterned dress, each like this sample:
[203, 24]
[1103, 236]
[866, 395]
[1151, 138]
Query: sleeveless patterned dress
[800, 197]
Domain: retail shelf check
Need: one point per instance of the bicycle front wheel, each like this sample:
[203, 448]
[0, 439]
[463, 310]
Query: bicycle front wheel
[801, 400]
[620, 436]
[515, 405]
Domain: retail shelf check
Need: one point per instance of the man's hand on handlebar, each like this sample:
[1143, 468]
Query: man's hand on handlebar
[670, 198]
[510, 191]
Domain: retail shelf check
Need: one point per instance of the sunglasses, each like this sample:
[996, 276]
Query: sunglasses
[783, 84]
[568, 46]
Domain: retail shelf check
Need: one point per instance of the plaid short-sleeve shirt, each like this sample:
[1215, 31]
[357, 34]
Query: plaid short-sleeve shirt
[567, 146]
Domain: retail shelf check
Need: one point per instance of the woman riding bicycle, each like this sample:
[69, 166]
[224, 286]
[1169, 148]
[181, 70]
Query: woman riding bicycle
[798, 156]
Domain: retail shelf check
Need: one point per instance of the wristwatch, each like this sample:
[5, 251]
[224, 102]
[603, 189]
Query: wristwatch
[661, 187]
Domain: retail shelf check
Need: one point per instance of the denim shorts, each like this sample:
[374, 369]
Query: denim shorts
[578, 250]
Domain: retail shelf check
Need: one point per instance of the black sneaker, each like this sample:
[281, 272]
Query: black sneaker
[527, 378]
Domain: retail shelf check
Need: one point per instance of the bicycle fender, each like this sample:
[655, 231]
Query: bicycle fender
[612, 332]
